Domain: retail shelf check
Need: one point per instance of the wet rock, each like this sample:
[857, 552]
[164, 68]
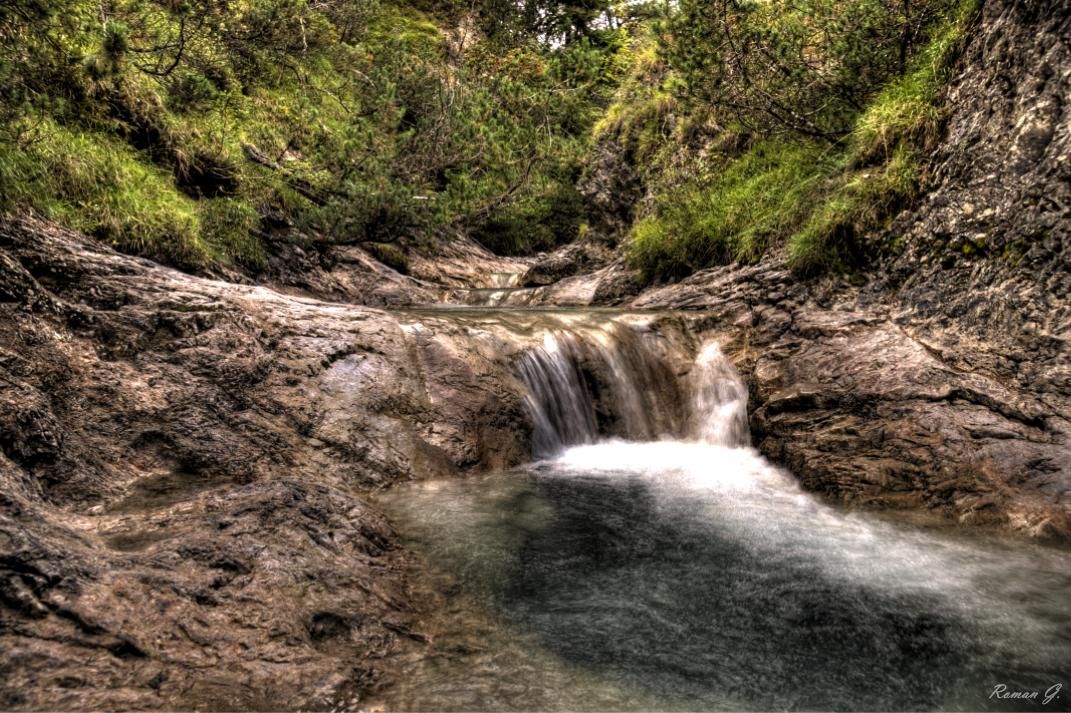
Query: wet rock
[571, 260]
[197, 604]
[183, 471]
[354, 273]
[876, 406]
[458, 261]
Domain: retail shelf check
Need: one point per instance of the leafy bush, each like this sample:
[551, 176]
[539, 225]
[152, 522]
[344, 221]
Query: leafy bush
[355, 120]
[542, 221]
[807, 67]
[192, 92]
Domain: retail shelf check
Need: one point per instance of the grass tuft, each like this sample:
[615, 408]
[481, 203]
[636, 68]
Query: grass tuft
[99, 185]
[736, 213]
[856, 204]
[907, 111]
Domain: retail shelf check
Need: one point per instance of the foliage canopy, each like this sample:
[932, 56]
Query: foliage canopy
[194, 130]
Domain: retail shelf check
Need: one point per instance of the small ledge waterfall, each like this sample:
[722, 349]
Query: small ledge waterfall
[609, 382]
[719, 400]
[563, 411]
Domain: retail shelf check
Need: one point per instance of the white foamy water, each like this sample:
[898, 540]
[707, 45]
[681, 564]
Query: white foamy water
[765, 510]
[719, 400]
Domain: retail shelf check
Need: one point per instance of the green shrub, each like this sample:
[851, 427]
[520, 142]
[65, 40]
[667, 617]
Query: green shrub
[826, 201]
[355, 120]
[803, 67]
[541, 221]
[192, 92]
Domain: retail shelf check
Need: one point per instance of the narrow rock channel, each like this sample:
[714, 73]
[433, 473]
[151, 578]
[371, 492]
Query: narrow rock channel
[194, 476]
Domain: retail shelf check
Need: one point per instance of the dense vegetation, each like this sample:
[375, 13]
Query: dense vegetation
[186, 128]
[765, 123]
[196, 131]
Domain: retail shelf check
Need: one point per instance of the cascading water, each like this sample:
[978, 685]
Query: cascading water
[566, 394]
[719, 400]
[558, 398]
[652, 560]
[597, 381]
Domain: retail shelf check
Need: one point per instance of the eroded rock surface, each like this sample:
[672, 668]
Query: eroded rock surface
[990, 245]
[182, 463]
[184, 467]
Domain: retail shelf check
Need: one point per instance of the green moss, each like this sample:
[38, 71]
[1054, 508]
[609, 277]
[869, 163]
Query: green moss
[411, 28]
[390, 255]
[227, 225]
[1014, 251]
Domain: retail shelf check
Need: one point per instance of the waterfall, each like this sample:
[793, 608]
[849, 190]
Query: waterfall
[615, 547]
[719, 400]
[587, 383]
[561, 405]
